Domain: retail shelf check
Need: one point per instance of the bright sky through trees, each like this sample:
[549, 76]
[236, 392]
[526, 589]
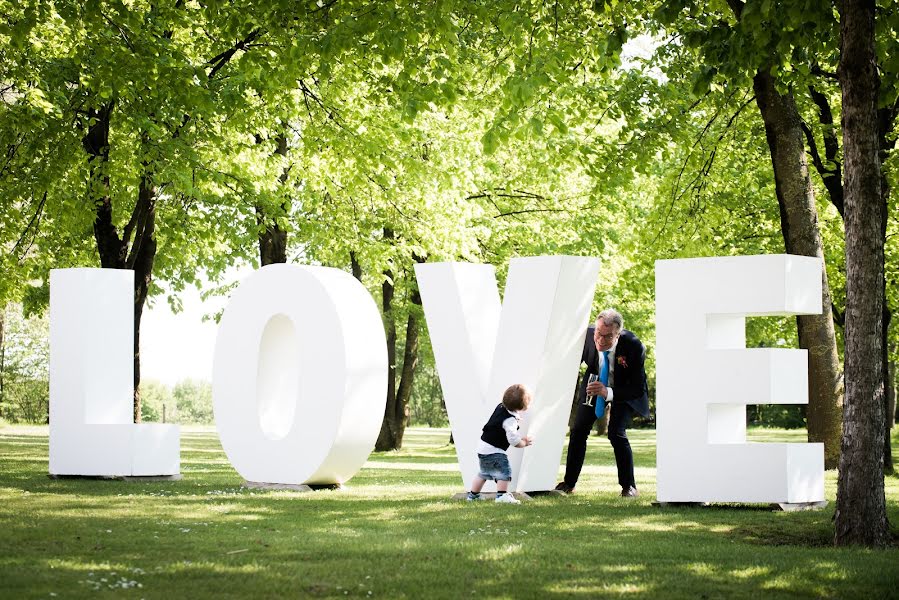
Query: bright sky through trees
[180, 346]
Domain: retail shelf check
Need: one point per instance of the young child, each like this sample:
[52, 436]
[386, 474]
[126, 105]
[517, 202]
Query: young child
[500, 432]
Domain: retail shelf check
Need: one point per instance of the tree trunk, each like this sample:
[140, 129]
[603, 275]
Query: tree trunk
[139, 231]
[891, 396]
[831, 175]
[860, 516]
[273, 239]
[389, 426]
[96, 143]
[799, 224]
[886, 118]
[410, 362]
[355, 267]
[885, 371]
[2, 356]
[140, 259]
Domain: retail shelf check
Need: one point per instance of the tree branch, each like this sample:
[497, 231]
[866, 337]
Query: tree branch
[121, 31]
[524, 211]
[222, 59]
[697, 183]
[11, 151]
[832, 178]
[838, 317]
[34, 222]
[323, 7]
[515, 194]
[813, 149]
[831, 142]
[218, 62]
[737, 7]
[817, 70]
[137, 217]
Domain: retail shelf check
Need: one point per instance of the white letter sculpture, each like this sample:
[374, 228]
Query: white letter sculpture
[92, 381]
[705, 377]
[536, 339]
[299, 376]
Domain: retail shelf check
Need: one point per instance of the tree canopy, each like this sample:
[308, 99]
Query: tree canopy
[181, 137]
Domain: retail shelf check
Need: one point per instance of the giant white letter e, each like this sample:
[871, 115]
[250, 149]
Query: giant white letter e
[705, 377]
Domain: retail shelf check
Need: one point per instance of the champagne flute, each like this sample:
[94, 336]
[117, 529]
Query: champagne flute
[588, 400]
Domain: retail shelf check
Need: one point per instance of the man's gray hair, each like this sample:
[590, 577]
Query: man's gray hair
[612, 318]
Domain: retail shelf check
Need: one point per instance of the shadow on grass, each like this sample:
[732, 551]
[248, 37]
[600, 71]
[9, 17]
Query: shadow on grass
[395, 533]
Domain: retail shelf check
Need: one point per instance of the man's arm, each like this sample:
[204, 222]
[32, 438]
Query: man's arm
[629, 371]
[589, 358]
[588, 354]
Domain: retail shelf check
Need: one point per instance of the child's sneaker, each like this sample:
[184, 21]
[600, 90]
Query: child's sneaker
[507, 498]
[473, 497]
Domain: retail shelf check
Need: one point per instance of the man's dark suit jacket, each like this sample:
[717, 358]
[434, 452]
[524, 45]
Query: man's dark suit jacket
[629, 379]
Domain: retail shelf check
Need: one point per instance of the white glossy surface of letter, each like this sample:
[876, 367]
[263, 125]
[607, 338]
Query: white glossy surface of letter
[534, 337]
[299, 376]
[705, 377]
[91, 381]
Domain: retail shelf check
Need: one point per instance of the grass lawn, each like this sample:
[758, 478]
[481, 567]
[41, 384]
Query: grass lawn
[393, 532]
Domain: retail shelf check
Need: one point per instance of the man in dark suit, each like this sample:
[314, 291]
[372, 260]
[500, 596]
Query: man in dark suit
[623, 354]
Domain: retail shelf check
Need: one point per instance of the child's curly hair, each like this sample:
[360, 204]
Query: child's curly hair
[517, 397]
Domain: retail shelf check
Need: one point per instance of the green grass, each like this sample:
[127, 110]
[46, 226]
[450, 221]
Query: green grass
[394, 532]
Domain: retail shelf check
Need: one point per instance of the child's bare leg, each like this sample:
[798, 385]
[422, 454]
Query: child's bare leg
[502, 486]
[477, 484]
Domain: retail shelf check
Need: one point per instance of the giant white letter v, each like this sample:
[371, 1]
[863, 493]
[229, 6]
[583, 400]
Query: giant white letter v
[535, 338]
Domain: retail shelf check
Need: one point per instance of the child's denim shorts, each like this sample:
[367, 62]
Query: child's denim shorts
[495, 466]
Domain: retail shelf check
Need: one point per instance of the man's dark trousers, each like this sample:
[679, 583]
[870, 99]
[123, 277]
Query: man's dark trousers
[619, 421]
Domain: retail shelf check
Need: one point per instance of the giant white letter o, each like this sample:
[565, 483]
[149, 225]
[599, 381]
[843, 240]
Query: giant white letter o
[299, 376]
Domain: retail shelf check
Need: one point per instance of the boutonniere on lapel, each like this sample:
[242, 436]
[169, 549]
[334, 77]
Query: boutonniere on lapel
[622, 361]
